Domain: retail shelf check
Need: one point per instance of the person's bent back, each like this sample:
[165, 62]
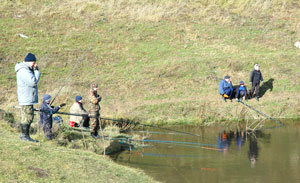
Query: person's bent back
[225, 88]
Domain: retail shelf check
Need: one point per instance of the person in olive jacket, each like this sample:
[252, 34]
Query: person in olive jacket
[255, 78]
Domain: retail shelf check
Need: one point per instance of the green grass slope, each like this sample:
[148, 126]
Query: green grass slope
[156, 61]
[28, 162]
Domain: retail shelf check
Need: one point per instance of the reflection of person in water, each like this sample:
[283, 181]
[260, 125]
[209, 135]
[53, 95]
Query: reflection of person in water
[253, 150]
[224, 140]
[239, 136]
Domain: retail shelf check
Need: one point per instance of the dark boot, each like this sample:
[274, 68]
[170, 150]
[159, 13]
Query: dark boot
[82, 126]
[257, 98]
[95, 135]
[25, 133]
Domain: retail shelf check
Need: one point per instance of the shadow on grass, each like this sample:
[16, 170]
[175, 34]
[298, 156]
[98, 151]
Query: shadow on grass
[268, 85]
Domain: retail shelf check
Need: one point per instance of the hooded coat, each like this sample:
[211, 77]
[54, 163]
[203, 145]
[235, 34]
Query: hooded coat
[46, 113]
[27, 80]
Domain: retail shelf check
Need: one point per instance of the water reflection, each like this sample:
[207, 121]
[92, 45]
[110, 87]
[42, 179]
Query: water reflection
[253, 150]
[234, 150]
[225, 139]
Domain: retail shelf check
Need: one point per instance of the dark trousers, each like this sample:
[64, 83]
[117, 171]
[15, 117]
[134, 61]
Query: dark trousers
[47, 127]
[229, 92]
[85, 122]
[242, 94]
[255, 86]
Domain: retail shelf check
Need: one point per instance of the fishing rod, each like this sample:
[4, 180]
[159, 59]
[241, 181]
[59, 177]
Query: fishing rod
[169, 155]
[79, 61]
[278, 122]
[152, 132]
[168, 129]
[164, 141]
[63, 113]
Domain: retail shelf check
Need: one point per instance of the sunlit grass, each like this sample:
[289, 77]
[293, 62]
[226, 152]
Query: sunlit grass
[158, 61]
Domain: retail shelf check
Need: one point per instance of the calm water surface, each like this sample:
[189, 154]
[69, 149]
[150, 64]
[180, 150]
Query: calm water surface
[220, 155]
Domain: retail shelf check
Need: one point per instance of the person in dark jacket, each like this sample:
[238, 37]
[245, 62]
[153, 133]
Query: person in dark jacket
[226, 88]
[241, 92]
[46, 115]
[255, 78]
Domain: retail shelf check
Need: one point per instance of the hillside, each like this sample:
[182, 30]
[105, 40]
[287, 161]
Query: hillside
[28, 162]
[156, 61]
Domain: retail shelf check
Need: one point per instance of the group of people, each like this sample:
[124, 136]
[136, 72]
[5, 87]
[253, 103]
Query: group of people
[28, 76]
[227, 91]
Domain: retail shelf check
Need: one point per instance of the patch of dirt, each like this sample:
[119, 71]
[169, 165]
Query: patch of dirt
[39, 172]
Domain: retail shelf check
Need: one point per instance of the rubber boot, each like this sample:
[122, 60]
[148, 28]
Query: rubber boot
[25, 133]
[257, 98]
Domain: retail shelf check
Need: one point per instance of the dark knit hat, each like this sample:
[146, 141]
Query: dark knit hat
[77, 98]
[47, 98]
[30, 58]
[226, 77]
[242, 83]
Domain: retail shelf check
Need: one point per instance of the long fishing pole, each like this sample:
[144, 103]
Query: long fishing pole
[278, 122]
[63, 113]
[168, 129]
[79, 61]
[164, 141]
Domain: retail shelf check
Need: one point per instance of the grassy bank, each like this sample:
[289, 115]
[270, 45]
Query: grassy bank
[29, 162]
[156, 61]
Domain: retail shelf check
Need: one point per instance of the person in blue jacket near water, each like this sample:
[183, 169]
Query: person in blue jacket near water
[241, 92]
[46, 115]
[226, 88]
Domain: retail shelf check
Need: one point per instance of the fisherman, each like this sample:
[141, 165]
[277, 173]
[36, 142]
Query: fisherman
[241, 93]
[28, 76]
[77, 108]
[255, 78]
[46, 115]
[225, 88]
[94, 110]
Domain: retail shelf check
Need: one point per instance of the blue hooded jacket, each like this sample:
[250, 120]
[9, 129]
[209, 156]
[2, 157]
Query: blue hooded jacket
[46, 113]
[223, 85]
[27, 80]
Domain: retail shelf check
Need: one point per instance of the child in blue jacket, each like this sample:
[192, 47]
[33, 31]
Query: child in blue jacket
[241, 92]
[46, 113]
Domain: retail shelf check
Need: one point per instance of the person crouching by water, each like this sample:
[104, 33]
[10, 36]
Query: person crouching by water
[46, 116]
[77, 108]
[241, 93]
[225, 88]
[255, 79]
[94, 110]
[28, 76]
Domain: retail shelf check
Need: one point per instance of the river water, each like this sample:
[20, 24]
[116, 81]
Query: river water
[218, 155]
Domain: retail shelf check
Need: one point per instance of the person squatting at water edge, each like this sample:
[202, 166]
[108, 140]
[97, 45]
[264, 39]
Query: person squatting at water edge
[242, 92]
[46, 113]
[94, 110]
[77, 108]
[255, 78]
[28, 76]
[226, 88]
